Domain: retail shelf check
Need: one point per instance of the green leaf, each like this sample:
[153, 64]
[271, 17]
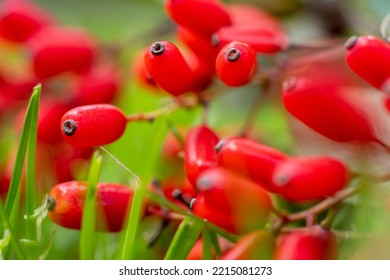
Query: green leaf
[184, 239]
[32, 251]
[88, 223]
[147, 169]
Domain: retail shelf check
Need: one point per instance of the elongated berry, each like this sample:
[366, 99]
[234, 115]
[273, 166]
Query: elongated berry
[257, 245]
[100, 85]
[199, 154]
[368, 56]
[323, 108]
[313, 243]
[21, 19]
[250, 159]
[261, 40]
[231, 201]
[66, 203]
[93, 125]
[168, 68]
[202, 16]
[236, 64]
[56, 50]
[309, 178]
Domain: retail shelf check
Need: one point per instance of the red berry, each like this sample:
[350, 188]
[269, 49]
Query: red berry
[368, 57]
[168, 68]
[323, 108]
[313, 243]
[250, 159]
[57, 49]
[199, 154]
[21, 19]
[236, 64]
[202, 16]
[141, 73]
[231, 201]
[202, 70]
[93, 125]
[257, 245]
[309, 178]
[100, 85]
[49, 119]
[198, 44]
[67, 201]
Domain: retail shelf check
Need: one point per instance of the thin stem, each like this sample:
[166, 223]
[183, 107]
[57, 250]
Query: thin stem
[323, 205]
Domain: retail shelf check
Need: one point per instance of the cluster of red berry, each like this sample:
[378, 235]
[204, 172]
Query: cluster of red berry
[234, 182]
[69, 63]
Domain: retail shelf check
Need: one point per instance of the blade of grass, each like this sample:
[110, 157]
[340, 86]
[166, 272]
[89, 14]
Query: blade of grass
[32, 251]
[145, 174]
[207, 253]
[20, 156]
[6, 226]
[185, 237]
[88, 223]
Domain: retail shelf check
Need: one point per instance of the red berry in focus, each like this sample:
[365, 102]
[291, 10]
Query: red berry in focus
[56, 50]
[249, 159]
[199, 154]
[168, 68]
[368, 56]
[201, 16]
[257, 245]
[21, 19]
[309, 178]
[236, 64]
[231, 201]
[313, 243]
[67, 202]
[93, 125]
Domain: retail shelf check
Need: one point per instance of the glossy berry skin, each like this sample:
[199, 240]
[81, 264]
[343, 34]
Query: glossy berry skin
[257, 245]
[368, 56]
[93, 125]
[202, 71]
[199, 154]
[21, 19]
[100, 85]
[56, 50]
[309, 178]
[112, 202]
[236, 64]
[324, 108]
[313, 243]
[168, 68]
[231, 201]
[249, 159]
[191, 14]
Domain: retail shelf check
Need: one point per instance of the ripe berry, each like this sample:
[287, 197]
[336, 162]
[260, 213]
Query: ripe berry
[49, 118]
[323, 108]
[93, 125]
[66, 204]
[57, 49]
[21, 19]
[236, 64]
[309, 178]
[250, 159]
[100, 85]
[168, 68]
[368, 57]
[202, 16]
[257, 245]
[313, 243]
[202, 71]
[199, 154]
[231, 201]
